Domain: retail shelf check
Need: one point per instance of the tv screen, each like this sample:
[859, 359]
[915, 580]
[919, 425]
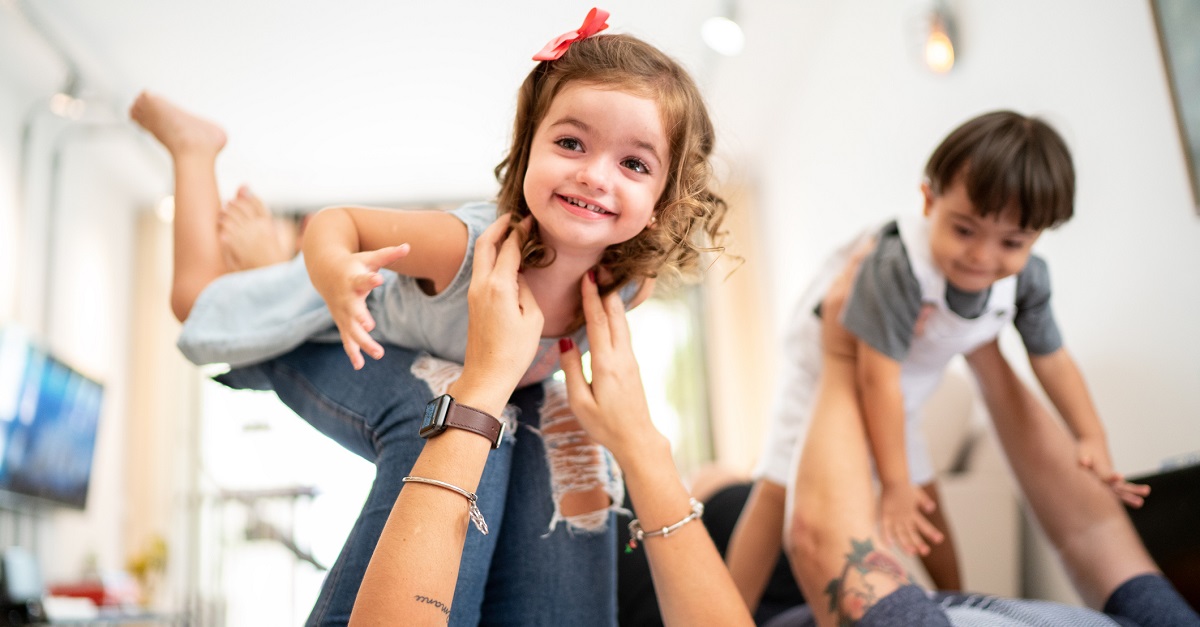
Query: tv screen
[49, 413]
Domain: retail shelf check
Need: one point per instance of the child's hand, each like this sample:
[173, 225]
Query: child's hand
[1092, 454]
[902, 522]
[345, 292]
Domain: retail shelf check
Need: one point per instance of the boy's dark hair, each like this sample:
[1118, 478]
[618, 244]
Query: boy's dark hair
[1005, 157]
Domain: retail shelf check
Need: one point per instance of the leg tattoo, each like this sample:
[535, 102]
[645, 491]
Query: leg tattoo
[867, 577]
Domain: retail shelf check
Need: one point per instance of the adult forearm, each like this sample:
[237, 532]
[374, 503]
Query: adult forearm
[427, 527]
[692, 583]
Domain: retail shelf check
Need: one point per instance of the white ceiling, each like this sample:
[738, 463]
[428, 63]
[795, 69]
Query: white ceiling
[356, 101]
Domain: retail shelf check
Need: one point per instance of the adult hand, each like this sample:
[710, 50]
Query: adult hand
[612, 408]
[504, 322]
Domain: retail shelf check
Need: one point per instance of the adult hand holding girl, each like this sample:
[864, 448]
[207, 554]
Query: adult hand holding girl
[690, 578]
[414, 568]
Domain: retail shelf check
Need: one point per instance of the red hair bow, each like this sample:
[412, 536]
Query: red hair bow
[592, 24]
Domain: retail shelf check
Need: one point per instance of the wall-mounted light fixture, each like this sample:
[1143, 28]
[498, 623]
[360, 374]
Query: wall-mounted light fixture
[722, 33]
[939, 42]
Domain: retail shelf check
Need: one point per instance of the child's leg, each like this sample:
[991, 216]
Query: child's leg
[1081, 517]
[837, 555]
[942, 560]
[193, 143]
[375, 412]
[580, 479]
[539, 576]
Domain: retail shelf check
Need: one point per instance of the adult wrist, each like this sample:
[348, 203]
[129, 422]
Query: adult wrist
[483, 393]
[640, 454]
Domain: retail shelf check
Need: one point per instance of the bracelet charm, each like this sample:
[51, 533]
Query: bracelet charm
[472, 500]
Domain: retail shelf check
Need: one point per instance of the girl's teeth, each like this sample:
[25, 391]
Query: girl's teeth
[584, 205]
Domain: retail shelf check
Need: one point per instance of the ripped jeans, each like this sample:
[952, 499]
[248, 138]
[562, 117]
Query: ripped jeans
[528, 570]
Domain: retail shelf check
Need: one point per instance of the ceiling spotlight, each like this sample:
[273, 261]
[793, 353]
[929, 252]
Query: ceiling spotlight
[939, 44]
[723, 35]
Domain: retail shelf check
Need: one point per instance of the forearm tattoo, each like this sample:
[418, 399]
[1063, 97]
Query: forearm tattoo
[436, 603]
[854, 593]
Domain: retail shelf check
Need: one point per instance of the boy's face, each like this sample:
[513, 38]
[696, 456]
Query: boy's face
[973, 251]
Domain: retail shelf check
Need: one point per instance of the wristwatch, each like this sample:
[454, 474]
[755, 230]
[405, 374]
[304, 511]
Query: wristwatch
[443, 412]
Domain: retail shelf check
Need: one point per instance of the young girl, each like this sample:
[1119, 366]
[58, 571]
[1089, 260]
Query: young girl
[992, 186]
[610, 158]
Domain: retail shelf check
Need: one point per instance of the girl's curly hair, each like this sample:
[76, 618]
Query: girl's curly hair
[689, 213]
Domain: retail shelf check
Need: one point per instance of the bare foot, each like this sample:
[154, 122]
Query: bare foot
[179, 131]
[249, 235]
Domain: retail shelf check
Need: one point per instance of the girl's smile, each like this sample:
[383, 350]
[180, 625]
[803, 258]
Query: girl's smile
[597, 167]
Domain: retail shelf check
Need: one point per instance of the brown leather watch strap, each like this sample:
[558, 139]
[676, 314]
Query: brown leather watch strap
[475, 421]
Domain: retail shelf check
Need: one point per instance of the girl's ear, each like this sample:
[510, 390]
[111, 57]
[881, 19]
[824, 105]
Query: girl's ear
[652, 222]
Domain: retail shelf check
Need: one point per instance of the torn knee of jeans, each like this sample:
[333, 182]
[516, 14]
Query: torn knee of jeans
[584, 484]
[440, 374]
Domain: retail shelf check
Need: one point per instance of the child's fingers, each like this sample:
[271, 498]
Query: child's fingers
[365, 282]
[889, 538]
[385, 257]
[358, 334]
[1131, 499]
[352, 351]
[925, 503]
[929, 531]
[916, 544]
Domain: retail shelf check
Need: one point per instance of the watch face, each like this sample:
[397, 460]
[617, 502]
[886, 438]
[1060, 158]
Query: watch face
[435, 416]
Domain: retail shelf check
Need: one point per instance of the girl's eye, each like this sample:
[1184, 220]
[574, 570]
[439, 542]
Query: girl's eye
[570, 143]
[962, 230]
[1013, 244]
[637, 165]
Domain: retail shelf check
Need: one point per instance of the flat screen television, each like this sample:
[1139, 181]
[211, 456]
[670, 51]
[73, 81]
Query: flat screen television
[49, 413]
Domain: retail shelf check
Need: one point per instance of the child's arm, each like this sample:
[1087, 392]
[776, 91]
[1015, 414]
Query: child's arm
[901, 502]
[344, 248]
[1060, 377]
[756, 541]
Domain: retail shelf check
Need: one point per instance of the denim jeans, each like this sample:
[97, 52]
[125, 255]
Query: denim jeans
[519, 574]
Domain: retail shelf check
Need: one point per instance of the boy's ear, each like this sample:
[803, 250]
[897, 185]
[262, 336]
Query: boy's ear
[927, 194]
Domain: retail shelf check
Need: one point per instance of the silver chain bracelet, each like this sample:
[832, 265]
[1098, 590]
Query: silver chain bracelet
[472, 506]
[637, 534]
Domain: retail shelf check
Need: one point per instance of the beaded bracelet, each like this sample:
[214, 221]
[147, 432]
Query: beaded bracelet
[637, 534]
[473, 507]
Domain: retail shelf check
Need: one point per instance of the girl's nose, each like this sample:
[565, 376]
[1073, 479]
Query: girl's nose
[593, 173]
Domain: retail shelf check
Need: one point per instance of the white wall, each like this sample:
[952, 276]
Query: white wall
[837, 132]
[88, 289]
